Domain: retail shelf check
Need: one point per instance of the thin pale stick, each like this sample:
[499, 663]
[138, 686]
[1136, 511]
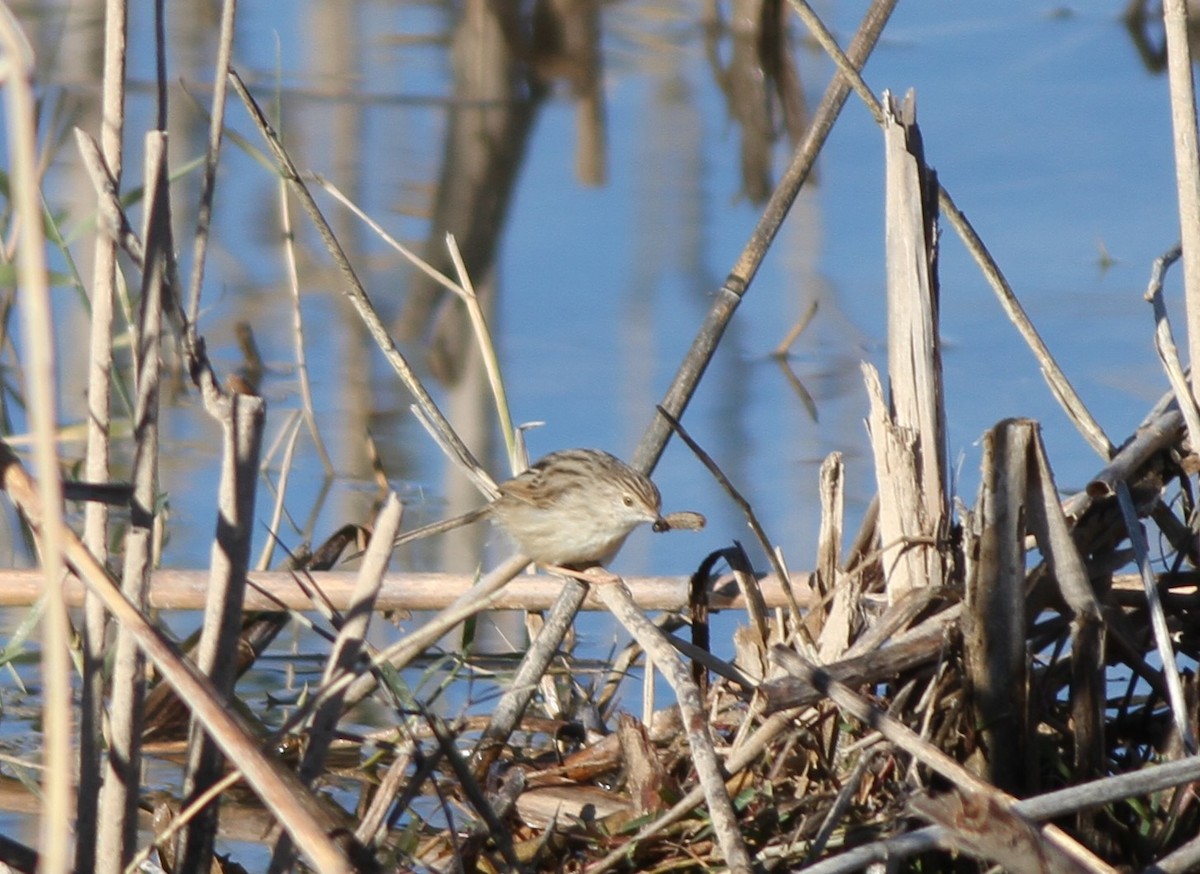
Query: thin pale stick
[119, 798]
[292, 429]
[96, 464]
[37, 327]
[1164, 341]
[487, 350]
[306, 400]
[208, 184]
[343, 658]
[687, 695]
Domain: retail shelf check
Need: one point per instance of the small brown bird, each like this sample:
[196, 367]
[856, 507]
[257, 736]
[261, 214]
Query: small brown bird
[573, 508]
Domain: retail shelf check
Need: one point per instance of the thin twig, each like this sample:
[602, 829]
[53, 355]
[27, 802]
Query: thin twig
[306, 399]
[99, 417]
[37, 324]
[208, 184]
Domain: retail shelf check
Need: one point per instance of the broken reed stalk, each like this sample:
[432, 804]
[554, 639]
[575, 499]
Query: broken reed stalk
[1057, 381]
[907, 423]
[216, 654]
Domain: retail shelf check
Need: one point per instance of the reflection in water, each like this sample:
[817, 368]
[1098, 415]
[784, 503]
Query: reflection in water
[342, 74]
[759, 81]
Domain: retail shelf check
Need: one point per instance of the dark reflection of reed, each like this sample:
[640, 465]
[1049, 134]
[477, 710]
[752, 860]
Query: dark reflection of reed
[494, 102]
[760, 83]
[1143, 20]
[503, 61]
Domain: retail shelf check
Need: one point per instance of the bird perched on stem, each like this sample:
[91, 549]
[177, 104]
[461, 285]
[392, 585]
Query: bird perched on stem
[574, 508]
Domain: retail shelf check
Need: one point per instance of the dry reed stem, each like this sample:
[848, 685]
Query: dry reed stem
[907, 425]
[902, 521]
[208, 184]
[1164, 341]
[96, 458]
[465, 291]
[524, 683]
[993, 627]
[119, 798]
[293, 275]
[372, 825]
[1059, 385]
[534, 664]
[343, 657]
[173, 589]
[291, 428]
[216, 653]
[111, 218]
[37, 328]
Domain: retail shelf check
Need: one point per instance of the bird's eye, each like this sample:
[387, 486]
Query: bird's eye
[628, 501]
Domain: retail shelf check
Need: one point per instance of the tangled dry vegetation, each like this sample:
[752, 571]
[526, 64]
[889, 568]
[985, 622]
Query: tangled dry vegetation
[973, 682]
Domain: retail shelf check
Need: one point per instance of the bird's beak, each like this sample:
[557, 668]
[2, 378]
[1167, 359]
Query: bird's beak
[660, 524]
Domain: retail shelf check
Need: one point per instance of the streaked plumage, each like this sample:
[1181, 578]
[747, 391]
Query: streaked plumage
[576, 507]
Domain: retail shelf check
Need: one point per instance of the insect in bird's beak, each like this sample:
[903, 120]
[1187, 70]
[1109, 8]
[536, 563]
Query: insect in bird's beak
[684, 520]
